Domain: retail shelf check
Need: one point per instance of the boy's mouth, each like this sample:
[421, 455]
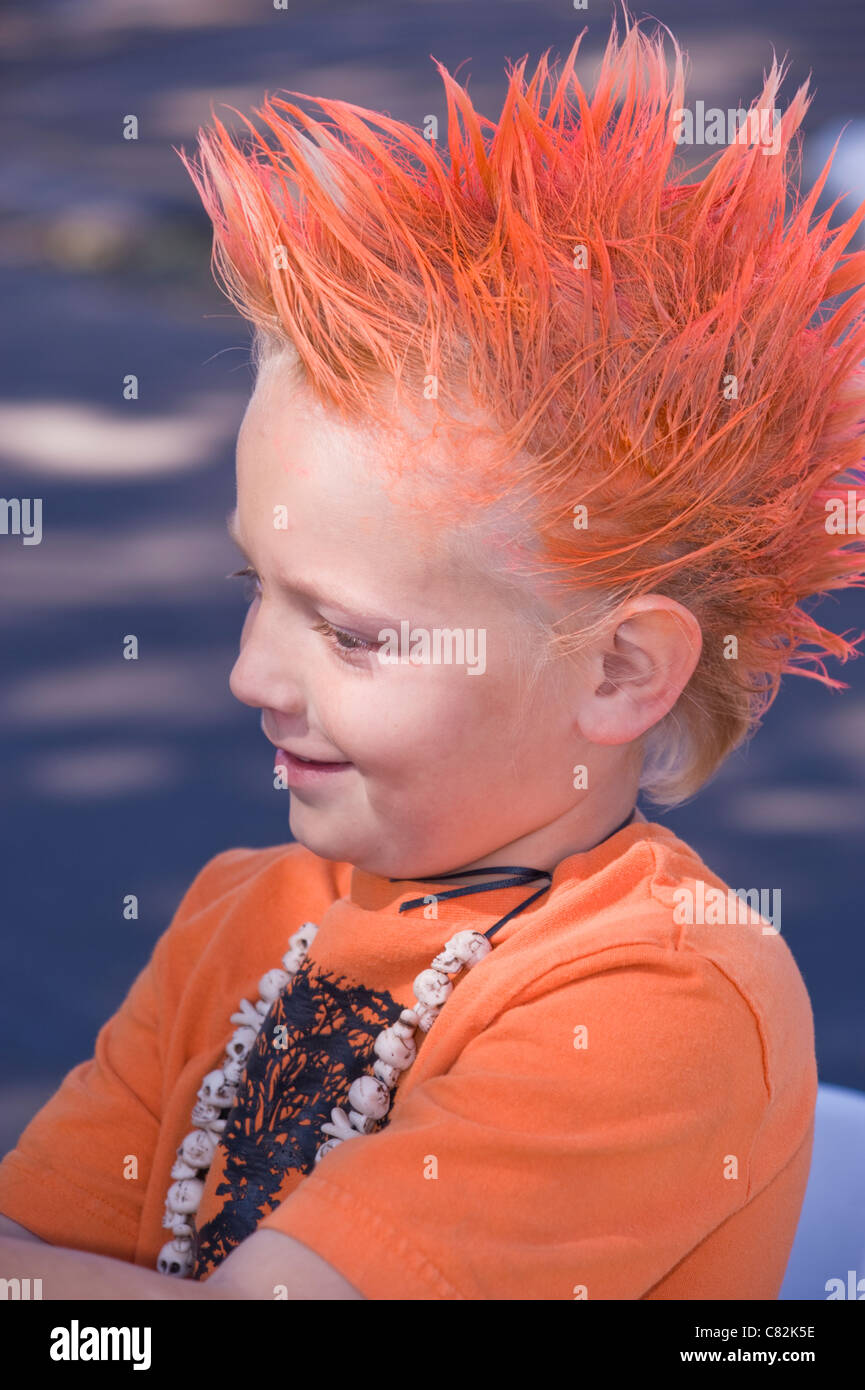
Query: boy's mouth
[300, 769]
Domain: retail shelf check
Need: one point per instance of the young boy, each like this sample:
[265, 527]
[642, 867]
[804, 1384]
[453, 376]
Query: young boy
[532, 481]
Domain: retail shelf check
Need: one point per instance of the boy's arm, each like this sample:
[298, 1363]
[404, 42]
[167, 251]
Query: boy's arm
[77, 1274]
[64, 1180]
[65, 1177]
[269, 1264]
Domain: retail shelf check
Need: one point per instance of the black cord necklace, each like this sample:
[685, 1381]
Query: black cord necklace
[519, 874]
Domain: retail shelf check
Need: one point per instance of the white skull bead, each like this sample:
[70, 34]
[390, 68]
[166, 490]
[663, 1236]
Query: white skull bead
[339, 1125]
[304, 936]
[469, 947]
[233, 1071]
[432, 987]
[396, 1051]
[298, 946]
[369, 1096]
[446, 962]
[242, 1042]
[462, 952]
[426, 1017]
[176, 1258]
[177, 1222]
[272, 983]
[184, 1196]
[197, 1148]
[293, 960]
[207, 1117]
[216, 1090]
[179, 1169]
[385, 1072]
[248, 1016]
[326, 1148]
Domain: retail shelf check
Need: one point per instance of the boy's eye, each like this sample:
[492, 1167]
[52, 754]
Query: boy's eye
[345, 644]
[252, 588]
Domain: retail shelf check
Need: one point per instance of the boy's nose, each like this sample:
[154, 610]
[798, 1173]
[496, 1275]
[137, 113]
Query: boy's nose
[262, 675]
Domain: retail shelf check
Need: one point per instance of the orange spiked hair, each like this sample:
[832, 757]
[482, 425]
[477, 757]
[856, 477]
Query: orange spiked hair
[670, 353]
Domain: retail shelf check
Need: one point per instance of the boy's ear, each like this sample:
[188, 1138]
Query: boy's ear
[638, 669]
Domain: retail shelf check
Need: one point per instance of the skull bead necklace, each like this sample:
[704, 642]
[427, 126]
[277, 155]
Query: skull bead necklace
[369, 1096]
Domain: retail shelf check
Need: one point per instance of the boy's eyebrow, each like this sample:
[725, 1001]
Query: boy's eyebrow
[334, 599]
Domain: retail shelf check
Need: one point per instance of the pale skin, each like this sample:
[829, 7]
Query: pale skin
[447, 770]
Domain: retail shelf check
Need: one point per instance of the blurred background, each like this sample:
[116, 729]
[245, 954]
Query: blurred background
[123, 777]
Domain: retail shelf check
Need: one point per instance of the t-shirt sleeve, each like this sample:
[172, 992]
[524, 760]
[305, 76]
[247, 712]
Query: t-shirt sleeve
[580, 1146]
[70, 1178]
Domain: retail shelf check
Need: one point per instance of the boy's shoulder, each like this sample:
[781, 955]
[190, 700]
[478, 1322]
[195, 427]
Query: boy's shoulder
[260, 879]
[654, 888]
[625, 946]
[648, 901]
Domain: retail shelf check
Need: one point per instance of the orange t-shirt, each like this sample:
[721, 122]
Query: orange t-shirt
[613, 1104]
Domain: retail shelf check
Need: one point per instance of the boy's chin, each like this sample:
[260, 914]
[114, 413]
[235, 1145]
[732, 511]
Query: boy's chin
[315, 830]
[342, 844]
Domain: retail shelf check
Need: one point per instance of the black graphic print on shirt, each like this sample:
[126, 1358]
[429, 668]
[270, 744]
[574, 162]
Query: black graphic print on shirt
[287, 1094]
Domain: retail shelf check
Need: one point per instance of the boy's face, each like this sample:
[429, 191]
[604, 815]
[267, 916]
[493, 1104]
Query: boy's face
[443, 764]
